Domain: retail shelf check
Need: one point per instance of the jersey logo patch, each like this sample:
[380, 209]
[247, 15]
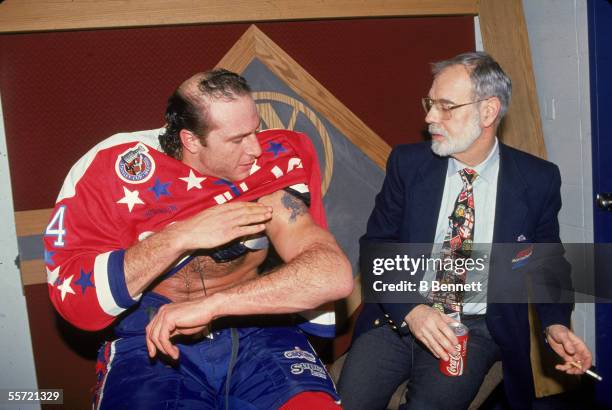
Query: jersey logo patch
[314, 369]
[298, 353]
[135, 165]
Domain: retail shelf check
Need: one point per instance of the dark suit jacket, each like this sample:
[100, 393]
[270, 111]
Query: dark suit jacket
[528, 201]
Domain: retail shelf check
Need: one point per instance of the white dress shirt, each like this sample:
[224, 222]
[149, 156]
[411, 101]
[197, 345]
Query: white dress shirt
[484, 190]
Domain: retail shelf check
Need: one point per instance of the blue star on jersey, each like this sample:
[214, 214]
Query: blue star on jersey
[276, 148]
[85, 281]
[232, 187]
[160, 188]
[49, 258]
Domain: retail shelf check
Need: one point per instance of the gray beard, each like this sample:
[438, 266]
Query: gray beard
[454, 145]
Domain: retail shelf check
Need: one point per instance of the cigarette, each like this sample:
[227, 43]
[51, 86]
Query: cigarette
[588, 372]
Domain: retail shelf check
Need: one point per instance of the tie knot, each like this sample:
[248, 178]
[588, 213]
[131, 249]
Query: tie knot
[468, 175]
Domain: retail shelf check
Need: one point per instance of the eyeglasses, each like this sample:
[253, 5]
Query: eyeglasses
[445, 107]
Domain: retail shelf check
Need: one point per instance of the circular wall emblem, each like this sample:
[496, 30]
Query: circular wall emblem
[272, 120]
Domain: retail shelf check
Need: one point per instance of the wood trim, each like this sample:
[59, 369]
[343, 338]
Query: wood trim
[32, 222]
[33, 272]
[242, 52]
[353, 301]
[28, 223]
[255, 44]
[267, 112]
[546, 380]
[48, 15]
[504, 35]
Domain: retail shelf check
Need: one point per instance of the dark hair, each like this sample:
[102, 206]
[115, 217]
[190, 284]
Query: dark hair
[488, 78]
[187, 106]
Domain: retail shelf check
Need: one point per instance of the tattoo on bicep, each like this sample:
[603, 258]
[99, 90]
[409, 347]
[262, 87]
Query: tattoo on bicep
[294, 204]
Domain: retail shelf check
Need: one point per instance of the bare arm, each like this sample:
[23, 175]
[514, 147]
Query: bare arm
[316, 271]
[216, 226]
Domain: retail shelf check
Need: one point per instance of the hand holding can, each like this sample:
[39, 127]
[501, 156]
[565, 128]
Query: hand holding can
[455, 365]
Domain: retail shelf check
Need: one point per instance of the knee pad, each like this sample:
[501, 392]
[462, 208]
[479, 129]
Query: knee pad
[311, 400]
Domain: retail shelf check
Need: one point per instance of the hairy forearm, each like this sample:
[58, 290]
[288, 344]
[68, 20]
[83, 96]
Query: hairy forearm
[148, 259]
[317, 275]
[208, 229]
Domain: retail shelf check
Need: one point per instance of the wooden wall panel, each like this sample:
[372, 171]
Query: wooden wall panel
[44, 15]
[504, 34]
[505, 37]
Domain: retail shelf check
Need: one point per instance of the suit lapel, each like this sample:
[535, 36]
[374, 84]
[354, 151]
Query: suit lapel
[511, 208]
[425, 199]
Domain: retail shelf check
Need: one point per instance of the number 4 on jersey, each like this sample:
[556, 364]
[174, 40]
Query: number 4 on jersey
[56, 226]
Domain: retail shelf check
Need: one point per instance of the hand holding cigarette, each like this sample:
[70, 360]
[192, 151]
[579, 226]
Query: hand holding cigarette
[588, 372]
[571, 348]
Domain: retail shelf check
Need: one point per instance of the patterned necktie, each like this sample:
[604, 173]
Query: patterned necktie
[457, 244]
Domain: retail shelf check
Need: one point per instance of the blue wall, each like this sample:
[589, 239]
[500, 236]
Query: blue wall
[600, 53]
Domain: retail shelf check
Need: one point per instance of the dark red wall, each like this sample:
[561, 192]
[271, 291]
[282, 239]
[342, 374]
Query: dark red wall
[63, 92]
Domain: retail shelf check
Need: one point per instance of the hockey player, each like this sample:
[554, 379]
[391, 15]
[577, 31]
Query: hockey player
[168, 245]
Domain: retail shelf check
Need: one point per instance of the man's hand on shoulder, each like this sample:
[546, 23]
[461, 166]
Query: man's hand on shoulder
[291, 229]
[221, 224]
[431, 328]
[290, 212]
[570, 347]
[213, 227]
[316, 271]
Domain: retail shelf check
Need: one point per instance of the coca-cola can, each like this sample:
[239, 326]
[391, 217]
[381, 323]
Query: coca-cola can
[455, 365]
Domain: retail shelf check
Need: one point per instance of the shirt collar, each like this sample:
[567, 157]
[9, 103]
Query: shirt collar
[485, 170]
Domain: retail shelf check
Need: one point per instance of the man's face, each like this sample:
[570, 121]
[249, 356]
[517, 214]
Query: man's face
[231, 144]
[455, 134]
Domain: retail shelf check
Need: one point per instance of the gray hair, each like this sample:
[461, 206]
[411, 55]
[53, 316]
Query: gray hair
[488, 78]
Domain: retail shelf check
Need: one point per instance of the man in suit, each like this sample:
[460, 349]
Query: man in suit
[515, 198]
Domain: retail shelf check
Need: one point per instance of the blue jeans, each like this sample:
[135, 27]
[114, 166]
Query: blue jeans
[380, 360]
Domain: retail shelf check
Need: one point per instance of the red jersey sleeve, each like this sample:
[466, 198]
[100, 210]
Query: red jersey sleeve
[86, 238]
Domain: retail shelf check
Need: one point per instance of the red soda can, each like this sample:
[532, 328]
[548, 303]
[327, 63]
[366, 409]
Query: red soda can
[455, 364]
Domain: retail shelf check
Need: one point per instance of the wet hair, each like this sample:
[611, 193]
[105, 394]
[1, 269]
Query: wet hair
[188, 106]
[488, 78]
